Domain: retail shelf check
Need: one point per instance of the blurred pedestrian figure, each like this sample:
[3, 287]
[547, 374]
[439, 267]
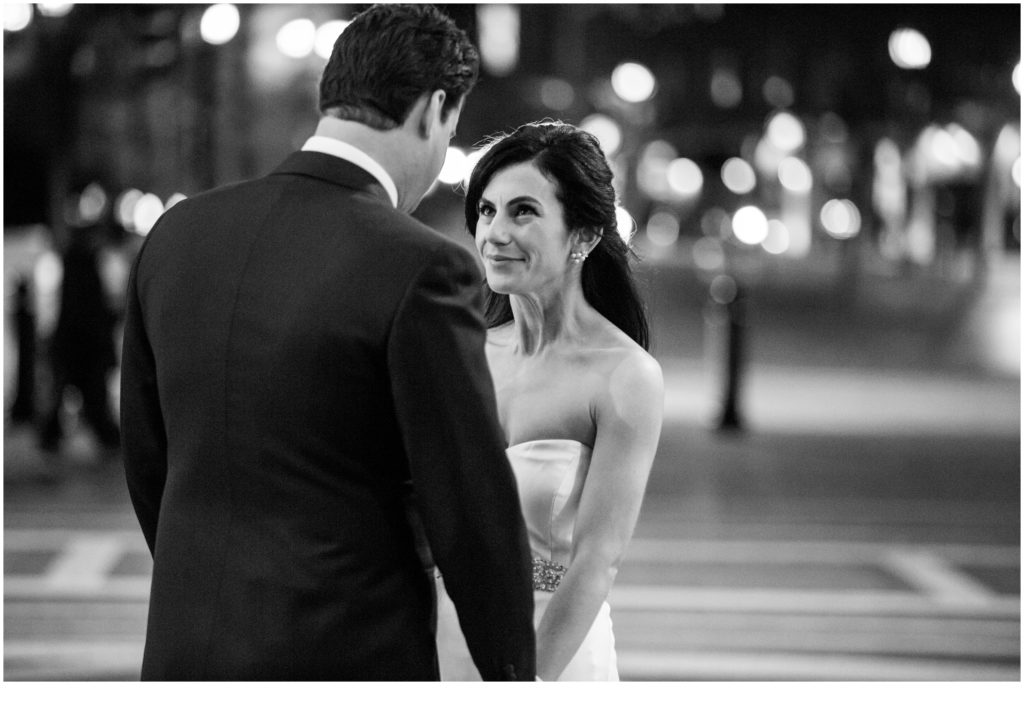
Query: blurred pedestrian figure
[302, 361]
[23, 410]
[82, 350]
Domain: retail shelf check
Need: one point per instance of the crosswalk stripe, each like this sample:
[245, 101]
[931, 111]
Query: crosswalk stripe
[83, 563]
[934, 576]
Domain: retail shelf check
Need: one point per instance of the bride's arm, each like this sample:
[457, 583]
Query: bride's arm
[628, 417]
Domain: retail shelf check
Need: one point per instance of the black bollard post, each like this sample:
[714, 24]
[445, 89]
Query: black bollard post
[23, 408]
[730, 300]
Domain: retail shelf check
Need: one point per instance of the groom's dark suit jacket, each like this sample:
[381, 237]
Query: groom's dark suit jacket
[296, 352]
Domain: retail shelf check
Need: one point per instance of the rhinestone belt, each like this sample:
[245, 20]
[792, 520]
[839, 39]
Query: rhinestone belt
[547, 575]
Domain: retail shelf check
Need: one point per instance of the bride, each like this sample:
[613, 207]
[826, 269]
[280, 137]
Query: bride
[579, 398]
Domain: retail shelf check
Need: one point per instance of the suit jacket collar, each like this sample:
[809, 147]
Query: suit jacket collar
[334, 170]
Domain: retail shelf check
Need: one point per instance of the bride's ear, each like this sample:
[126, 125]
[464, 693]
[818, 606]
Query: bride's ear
[585, 240]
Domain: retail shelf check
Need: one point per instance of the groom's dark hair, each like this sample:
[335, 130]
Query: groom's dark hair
[388, 57]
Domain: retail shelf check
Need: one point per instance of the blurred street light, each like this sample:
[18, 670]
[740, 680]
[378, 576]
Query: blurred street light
[684, 177]
[607, 131]
[625, 222]
[750, 225]
[455, 168]
[726, 88]
[297, 38]
[785, 132]
[499, 38]
[55, 9]
[777, 240]
[326, 36]
[663, 228]
[841, 219]
[219, 24]
[633, 82]
[147, 210]
[738, 176]
[909, 49]
[1016, 77]
[17, 16]
[795, 175]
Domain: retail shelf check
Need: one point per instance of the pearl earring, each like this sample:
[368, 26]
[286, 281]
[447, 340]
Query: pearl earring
[578, 256]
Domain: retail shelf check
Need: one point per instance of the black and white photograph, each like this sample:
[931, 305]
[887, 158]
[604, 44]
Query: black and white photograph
[557, 342]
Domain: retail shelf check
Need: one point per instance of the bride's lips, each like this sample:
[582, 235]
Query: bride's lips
[503, 259]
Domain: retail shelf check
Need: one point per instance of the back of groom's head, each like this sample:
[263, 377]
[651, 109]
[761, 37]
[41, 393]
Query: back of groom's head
[388, 57]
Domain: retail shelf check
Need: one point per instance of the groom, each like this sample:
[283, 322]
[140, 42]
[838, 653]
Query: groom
[303, 360]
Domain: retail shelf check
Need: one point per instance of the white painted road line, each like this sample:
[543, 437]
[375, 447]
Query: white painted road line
[669, 550]
[870, 602]
[709, 666]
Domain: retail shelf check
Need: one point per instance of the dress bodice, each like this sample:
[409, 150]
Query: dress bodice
[550, 475]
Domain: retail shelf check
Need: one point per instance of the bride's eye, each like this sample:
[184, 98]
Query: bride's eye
[524, 210]
[484, 209]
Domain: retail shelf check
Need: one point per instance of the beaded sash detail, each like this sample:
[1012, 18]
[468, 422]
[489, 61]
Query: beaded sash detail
[547, 575]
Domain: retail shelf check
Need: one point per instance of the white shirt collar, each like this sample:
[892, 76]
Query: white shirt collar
[348, 152]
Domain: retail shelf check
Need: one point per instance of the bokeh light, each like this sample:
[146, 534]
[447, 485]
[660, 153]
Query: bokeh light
[147, 210]
[173, 200]
[723, 289]
[625, 223]
[219, 24]
[708, 254]
[795, 175]
[684, 177]
[776, 241]
[633, 82]
[777, 92]
[124, 208]
[557, 94]
[326, 35]
[297, 38]
[785, 132]
[841, 219]
[909, 49]
[54, 9]
[1016, 77]
[738, 176]
[472, 158]
[663, 228]
[499, 37]
[92, 203]
[652, 169]
[454, 169]
[17, 16]
[607, 131]
[726, 88]
[750, 225]
[715, 222]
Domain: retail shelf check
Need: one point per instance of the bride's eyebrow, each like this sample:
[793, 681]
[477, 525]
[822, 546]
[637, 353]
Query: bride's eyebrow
[523, 199]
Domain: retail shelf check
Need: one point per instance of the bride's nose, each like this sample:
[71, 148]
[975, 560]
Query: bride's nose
[496, 231]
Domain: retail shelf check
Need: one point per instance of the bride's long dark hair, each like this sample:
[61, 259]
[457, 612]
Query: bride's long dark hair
[574, 160]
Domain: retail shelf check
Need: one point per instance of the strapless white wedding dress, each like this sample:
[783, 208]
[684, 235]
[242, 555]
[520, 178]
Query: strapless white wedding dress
[549, 475]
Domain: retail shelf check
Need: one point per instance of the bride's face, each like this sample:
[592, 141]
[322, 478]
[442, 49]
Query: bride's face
[521, 232]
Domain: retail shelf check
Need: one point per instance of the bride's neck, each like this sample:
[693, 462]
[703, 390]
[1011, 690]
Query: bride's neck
[541, 320]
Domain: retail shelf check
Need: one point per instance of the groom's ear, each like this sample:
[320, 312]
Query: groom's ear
[432, 115]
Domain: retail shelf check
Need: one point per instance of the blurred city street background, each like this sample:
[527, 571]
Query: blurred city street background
[827, 211]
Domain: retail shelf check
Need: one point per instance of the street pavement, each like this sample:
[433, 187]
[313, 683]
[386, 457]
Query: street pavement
[863, 526]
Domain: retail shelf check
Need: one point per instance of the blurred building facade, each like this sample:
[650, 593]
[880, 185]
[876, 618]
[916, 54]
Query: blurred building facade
[744, 137]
